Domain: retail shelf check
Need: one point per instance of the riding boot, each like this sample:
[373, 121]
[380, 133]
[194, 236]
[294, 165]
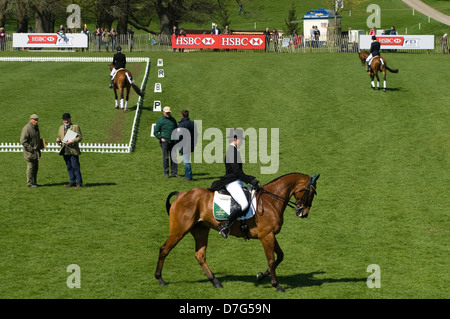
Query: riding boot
[235, 212]
[111, 85]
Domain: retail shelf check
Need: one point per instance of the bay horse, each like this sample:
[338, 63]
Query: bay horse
[378, 64]
[192, 212]
[123, 80]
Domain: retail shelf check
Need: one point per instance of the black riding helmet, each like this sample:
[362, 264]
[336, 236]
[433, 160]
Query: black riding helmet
[118, 48]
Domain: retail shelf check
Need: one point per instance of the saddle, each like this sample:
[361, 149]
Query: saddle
[223, 202]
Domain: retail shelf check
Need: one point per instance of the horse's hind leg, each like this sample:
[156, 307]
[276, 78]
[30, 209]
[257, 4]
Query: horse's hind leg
[126, 98]
[200, 233]
[384, 80]
[164, 250]
[117, 102]
[378, 81]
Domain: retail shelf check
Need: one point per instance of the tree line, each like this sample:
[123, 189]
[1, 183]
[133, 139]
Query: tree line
[138, 13]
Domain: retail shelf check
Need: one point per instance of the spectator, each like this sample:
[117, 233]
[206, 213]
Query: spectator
[216, 30]
[444, 43]
[275, 40]
[98, 38]
[70, 150]
[163, 131]
[175, 33]
[30, 138]
[85, 31]
[2, 39]
[393, 31]
[106, 38]
[188, 147]
[267, 39]
[113, 34]
[130, 33]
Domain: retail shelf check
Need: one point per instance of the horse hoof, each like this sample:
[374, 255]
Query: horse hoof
[259, 276]
[216, 283]
[162, 283]
[280, 289]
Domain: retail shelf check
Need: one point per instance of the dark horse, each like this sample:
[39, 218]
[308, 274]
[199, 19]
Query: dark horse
[378, 64]
[123, 80]
[192, 212]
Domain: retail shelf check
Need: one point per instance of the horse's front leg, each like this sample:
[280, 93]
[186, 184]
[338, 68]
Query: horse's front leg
[384, 80]
[271, 246]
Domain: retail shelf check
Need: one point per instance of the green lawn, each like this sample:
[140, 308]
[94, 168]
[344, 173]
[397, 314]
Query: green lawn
[382, 195]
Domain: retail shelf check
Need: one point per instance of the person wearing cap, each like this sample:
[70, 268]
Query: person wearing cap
[232, 181]
[30, 138]
[70, 150]
[163, 131]
[119, 62]
[374, 51]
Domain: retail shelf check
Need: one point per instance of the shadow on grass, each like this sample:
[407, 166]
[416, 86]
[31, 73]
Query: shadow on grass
[84, 185]
[292, 281]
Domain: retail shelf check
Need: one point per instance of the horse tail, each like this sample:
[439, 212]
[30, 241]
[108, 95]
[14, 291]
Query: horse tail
[391, 70]
[168, 200]
[137, 90]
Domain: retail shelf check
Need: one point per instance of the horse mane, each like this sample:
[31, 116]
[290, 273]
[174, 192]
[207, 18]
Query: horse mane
[274, 180]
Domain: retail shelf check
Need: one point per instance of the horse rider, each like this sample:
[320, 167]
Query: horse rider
[232, 181]
[374, 51]
[119, 62]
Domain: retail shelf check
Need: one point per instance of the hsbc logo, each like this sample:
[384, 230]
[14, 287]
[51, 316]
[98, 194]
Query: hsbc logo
[256, 41]
[208, 41]
[391, 40]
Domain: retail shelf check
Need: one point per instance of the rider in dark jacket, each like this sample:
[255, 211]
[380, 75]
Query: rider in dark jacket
[119, 62]
[232, 181]
[374, 51]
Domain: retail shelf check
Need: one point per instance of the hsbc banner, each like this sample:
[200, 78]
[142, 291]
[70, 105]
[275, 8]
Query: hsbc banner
[50, 40]
[221, 41]
[424, 42]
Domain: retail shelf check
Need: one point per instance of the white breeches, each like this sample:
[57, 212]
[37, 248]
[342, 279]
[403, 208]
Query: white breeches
[113, 73]
[369, 59]
[235, 189]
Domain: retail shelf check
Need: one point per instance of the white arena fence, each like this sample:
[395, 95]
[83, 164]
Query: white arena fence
[86, 147]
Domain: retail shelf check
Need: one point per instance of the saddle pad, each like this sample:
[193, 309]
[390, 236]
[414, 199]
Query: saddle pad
[222, 203]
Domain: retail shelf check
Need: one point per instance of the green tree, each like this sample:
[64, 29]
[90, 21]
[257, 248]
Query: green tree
[291, 23]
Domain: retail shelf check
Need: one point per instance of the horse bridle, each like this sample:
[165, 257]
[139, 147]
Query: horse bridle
[300, 204]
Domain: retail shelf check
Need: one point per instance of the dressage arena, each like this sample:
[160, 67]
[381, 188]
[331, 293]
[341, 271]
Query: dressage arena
[378, 227]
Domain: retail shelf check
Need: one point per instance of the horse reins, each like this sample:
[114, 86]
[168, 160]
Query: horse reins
[288, 202]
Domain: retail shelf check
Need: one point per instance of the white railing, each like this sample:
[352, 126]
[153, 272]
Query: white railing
[86, 147]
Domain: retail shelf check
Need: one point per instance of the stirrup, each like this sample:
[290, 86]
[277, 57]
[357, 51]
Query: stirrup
[224, 229]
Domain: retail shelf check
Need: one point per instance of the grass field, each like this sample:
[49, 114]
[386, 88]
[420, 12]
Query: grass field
[382, 195]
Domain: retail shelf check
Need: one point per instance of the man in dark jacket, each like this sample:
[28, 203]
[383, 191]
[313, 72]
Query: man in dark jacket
[232, 181]
[163, 131]
[188, 147]
[119, 62]
[374, 51]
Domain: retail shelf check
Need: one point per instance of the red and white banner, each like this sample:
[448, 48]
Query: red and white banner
[221, 41]
[399, 41]
[50, 40]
